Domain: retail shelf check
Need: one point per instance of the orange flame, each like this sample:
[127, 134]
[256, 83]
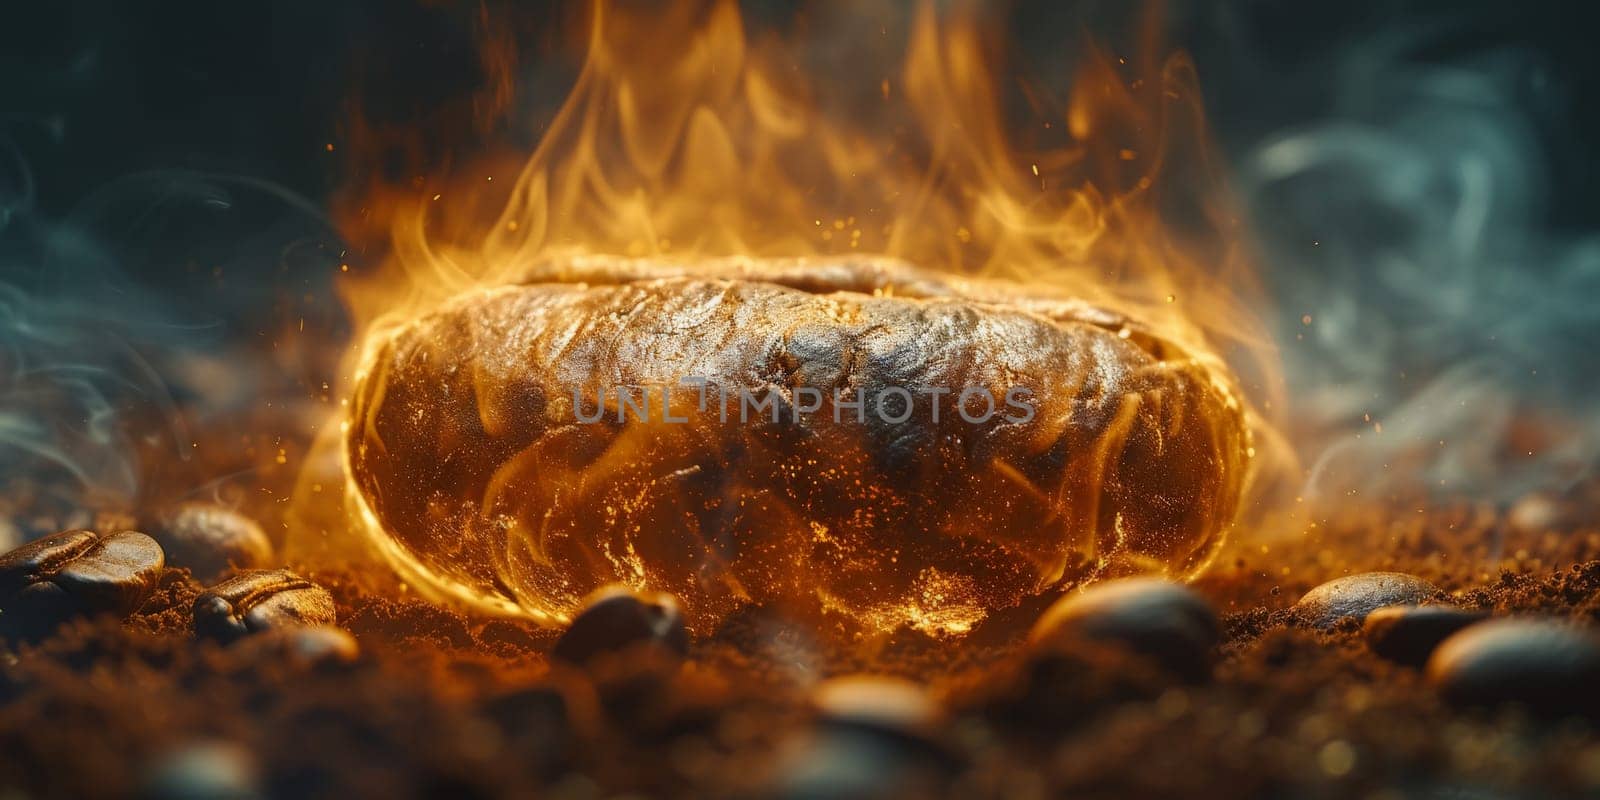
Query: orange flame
[683, 138]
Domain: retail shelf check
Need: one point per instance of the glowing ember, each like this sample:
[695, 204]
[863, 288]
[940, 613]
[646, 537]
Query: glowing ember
[695, 216]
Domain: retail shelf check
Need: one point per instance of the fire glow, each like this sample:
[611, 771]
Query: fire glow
[689, 151]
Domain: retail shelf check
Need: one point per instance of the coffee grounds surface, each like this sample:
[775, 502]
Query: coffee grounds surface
[441, 703]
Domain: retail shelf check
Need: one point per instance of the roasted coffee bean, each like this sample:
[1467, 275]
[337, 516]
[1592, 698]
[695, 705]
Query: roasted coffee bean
[203, 771]
[857, 764]
[40, 559]
[876, 701]
[259, 600]
[76, 573]
[209, 540]
[1409, 634]
[1356, 596]
[874, 737]
[301, 646]
[1550, 667]
[1165, 622]
[616, 619]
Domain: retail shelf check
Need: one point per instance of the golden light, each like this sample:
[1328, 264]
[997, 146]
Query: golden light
[697, 208]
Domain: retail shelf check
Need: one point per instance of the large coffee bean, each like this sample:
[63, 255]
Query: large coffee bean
[1409, 634]
[1550, 667]
[209, 540]
[76, 573]
[1356, 596]
[616, 619]
[259, 600]
[1165, 622]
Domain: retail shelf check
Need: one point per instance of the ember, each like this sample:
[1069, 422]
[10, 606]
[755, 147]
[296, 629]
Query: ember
[671, 226]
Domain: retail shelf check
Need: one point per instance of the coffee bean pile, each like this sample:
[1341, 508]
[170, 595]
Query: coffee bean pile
[125, 672]
[82, 574]
[74, 574]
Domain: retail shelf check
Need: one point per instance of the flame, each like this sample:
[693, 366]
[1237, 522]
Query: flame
[686, 138]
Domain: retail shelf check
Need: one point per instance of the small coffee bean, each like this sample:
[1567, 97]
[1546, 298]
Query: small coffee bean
[209, 540]
[76, 573]
[1409, 634]
[874, 737]
[856, 764]
[259, 600]
[1165, 622]
[616, 619]
[1356, 596]
[203, 771]
[875, 701]
[302, 646]
[1549, 667]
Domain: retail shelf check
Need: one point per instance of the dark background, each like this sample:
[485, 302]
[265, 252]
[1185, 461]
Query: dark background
[94, 89]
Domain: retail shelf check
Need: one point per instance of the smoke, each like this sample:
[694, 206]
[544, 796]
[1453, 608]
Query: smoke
[60, 406]
[68, 365]
[1438, 333]
[118, 330]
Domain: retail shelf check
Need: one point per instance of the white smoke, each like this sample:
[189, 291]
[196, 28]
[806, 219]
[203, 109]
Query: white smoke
[1433, 322]
[109, 342]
